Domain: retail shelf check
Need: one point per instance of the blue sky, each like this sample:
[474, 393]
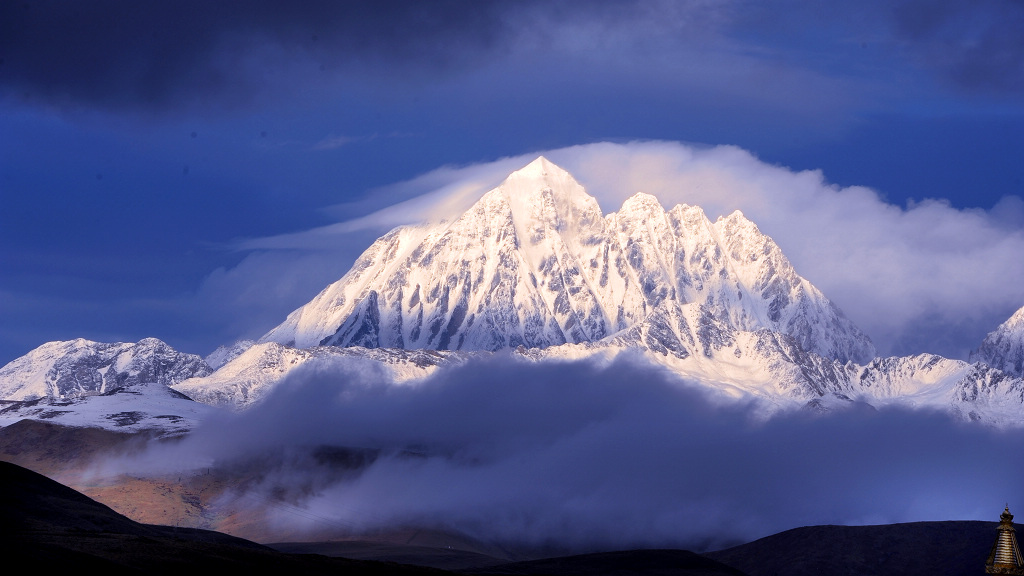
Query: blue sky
[145, 150]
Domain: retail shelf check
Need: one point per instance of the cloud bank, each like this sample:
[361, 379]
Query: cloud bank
[586, 456]
[926, 277]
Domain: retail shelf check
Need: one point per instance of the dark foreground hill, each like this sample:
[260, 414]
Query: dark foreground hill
[952, 548]
[911, 549]
[623, 563]
[52, 527]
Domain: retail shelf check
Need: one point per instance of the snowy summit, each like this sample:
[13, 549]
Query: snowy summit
[535, 263]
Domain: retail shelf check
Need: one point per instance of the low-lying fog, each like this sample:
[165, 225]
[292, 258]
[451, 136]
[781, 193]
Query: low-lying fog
[587, 455]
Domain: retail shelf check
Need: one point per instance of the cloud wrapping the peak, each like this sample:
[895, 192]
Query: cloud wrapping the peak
[927, 277]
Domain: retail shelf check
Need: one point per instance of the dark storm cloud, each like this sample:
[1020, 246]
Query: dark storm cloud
[117, 54]
[114, 53]
[583, 456]
[977, 45]
[124, 54]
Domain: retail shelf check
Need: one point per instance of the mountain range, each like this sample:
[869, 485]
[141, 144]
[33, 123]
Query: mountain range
[534, 269]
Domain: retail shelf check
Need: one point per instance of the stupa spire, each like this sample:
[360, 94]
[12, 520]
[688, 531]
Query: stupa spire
[1005, 557]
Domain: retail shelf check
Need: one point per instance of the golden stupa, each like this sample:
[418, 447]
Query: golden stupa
[1005, 556]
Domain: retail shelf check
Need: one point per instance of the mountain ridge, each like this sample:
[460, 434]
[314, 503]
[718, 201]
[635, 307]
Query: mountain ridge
[535, 268]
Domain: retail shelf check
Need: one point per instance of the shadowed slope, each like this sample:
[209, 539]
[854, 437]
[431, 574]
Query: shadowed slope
[58, 527]
[53, 525]
[918, 548]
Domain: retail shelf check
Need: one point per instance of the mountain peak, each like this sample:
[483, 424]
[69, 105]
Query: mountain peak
[642, 202]
[737, 225]
[543, 174]
[1016, 322]
[1004, 347]
[736, 217]
[539, 168]
[544, 196]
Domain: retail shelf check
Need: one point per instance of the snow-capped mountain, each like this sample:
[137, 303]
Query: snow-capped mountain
[535, 263]
[119, 386]
[145, 406]
[74, 368]
[1004, 347]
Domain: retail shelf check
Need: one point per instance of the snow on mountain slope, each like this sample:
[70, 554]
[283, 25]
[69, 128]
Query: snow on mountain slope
[1004, 347]
[769, 367]
[118, 386]
[146, 406]
[149, 386]
[776, 371]
[250, 376]
[534, 263]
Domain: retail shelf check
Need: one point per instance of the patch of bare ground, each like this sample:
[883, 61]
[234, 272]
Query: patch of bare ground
[220, 498]
[55, 450]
